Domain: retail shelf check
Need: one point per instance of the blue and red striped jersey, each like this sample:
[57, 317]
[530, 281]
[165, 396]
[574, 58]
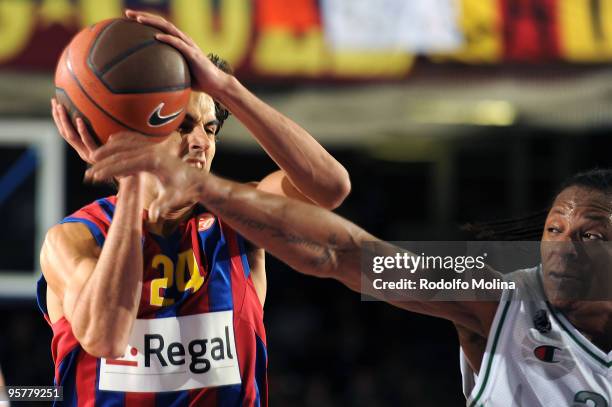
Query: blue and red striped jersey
[198, 339]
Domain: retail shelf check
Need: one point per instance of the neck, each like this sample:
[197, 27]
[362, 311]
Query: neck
[167, 224]
[593, 319]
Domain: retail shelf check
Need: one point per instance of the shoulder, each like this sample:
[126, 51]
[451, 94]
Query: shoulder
[102, 208]
[96, 217]
[66, 247]
[71, 234]
[67, 241]
[77, 235]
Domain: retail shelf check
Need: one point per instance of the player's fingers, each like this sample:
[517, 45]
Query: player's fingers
[121, 142]
[119, 165]
[60, 128]
[129, 137]
[189, 52]
[68, 132]
[161, 24]
[153, 20]
[134, 14]
[86, 138]
[56, 119]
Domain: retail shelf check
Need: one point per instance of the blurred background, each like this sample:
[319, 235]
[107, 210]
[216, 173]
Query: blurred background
[443, 112]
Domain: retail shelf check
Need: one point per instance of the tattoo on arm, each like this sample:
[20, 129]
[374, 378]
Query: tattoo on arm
[325, 252]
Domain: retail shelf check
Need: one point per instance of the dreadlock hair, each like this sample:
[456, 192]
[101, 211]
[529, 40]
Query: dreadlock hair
[599, 179]
[525, 228]
[530, 227]
[221, 112]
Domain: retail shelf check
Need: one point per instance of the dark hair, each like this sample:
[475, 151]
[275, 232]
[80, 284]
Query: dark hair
[598, 178]
[221, 112]
[530, 227]
[525, 228]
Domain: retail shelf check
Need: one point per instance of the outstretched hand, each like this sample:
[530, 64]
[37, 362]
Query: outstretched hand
[206, 77]
[129, 153]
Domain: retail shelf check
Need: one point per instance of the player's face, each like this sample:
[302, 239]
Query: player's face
[576, 255]
[195, 140]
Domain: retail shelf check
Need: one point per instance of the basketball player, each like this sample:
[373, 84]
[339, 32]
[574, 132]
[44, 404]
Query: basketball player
[168, 310]
[540, 345]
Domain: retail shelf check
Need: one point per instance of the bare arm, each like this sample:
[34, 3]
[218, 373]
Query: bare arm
[320, 243]
[99, 291]
[305, 163]
[310, 239]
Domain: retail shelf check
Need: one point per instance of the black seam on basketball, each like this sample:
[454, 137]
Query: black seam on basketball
[95, 44]
[115, 61]
[114, 91]
[96, 104]
[81, 115]
[151, 90]
[126, 54]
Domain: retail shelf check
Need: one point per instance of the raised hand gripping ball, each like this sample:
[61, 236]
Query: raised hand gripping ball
[117, 77]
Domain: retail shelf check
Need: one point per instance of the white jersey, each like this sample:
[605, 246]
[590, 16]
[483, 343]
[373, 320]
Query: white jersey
[524, 367]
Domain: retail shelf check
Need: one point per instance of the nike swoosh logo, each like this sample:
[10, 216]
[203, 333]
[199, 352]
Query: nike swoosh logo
[156, 119]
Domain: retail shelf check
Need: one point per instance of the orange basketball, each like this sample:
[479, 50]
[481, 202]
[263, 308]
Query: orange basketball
[116, 76]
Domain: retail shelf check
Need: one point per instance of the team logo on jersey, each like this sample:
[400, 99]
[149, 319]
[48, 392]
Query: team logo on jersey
[175, 353]
[128, 359]
[205, 222]
[547, 355]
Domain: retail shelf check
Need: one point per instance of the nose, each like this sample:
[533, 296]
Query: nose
[567, 249]
[562, 246]
[198, 141]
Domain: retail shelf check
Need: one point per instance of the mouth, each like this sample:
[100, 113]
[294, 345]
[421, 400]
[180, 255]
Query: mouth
[195, 163]
[565, 278]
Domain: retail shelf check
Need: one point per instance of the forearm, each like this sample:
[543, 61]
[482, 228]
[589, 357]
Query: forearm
[104, 309]
[320, 243]
[312, 240]
[309, 167]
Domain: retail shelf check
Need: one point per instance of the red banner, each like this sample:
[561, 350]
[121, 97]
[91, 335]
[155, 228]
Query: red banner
[279, 39]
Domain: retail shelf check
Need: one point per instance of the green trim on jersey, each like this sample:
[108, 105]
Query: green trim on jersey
[492, 354]
[576, 339]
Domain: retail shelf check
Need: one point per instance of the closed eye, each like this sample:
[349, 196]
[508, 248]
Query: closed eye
[212, 129]
[185, 129]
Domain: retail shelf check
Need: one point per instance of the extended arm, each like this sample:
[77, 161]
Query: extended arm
[98, 291]
[320, 243]
[310, 239]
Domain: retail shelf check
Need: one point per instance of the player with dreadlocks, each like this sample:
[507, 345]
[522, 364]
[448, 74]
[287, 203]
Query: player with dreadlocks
[547, 343]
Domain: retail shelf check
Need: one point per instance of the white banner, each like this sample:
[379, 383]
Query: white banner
[171, 354]
[416, 26]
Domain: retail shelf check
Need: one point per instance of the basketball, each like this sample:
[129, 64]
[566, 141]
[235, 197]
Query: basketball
[117, 77]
